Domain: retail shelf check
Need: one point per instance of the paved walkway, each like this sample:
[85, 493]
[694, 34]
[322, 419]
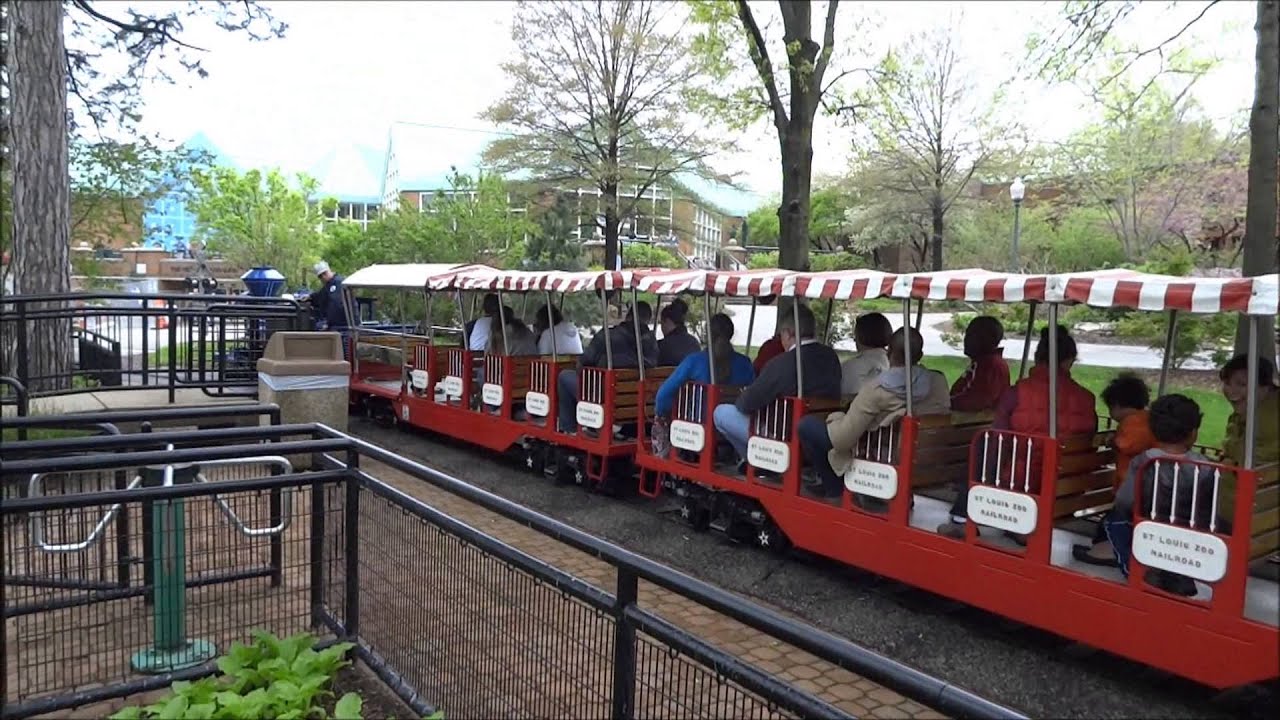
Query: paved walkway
[842, 688]
[130, 399]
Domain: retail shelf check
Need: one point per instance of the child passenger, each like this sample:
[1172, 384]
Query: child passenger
[1175, 424]
[1126, 399]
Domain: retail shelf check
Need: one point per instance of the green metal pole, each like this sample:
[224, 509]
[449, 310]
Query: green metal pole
[171, 650]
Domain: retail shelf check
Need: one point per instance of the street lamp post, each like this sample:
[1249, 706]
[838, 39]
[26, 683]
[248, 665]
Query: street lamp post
[1016, 191]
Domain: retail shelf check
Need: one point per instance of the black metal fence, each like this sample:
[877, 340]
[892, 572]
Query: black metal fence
[447, 615]
[119, 341]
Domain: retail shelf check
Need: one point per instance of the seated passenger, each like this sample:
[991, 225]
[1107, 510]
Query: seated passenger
[772, 347]
[1266, 447]
[478, 330]
[556, 333]
[871, 334]
[519, 338]
[676, 343]
[987, 377]
[1175, 424]
[829, 445]
[732, 367]
[1126, 398]
[821, 370]
[622, 343]
[1025, 408]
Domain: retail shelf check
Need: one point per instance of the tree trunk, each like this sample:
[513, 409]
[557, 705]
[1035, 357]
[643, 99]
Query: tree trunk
[1260, 239]
[793, 213]
[611, 250]
[939, 225]
[41, 192]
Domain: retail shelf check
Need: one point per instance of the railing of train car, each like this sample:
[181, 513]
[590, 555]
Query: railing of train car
[123, 341]
[448, 616]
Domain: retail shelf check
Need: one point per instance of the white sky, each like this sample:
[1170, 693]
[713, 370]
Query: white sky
[346, 70]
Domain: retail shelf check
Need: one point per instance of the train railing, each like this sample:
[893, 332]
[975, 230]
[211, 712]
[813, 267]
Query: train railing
[1202, 522]
[540, 402]
[123, 341]
[447, 615]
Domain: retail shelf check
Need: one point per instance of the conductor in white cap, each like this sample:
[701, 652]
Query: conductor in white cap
[330, 311]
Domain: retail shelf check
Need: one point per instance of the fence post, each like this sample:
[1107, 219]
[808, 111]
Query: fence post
[351, 599]
[173, 353]
[23, 368]
[624, 646]
[146, 344]
[124, 559]
[277, 511]
[148, 548]
[318, 490]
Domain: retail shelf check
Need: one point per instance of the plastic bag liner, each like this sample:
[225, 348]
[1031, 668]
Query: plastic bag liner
[281, 383]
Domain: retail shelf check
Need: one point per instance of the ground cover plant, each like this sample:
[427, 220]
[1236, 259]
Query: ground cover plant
[270, 678]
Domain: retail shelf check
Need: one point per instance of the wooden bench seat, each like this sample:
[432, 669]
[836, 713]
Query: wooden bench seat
[1264, 530]
[627, 391]
[942, 448]
[1086, 475]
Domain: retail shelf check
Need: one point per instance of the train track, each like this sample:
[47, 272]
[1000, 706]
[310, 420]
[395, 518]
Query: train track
[1037, 672]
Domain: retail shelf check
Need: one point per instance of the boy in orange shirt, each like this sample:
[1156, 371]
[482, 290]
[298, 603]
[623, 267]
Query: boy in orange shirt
[1126, 398]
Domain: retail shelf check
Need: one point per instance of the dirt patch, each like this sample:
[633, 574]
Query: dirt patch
[379, 701]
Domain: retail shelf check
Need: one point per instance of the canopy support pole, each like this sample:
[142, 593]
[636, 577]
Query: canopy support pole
[1165, 362]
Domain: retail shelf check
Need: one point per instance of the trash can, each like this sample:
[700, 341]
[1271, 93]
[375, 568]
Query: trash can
[304, 373]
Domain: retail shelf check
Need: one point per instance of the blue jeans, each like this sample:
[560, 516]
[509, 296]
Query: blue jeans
[567, 397]
[816, 443]
[734, 425]
[1119, 529]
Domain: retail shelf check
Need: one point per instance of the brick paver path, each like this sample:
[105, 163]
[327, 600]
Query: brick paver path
[842, 688]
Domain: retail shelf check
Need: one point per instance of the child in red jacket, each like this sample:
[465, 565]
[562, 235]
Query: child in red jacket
[987, 377]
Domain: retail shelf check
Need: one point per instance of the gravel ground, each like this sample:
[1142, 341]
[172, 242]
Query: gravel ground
[1040, 674]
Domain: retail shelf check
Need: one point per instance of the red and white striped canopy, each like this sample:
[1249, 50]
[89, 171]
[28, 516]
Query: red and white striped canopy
[972, 285]
[831, 285]
[1141, 291]
[656, 280]
[403, 276]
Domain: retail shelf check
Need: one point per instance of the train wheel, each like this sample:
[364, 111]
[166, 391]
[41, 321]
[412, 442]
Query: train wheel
[769, 537]
[698, 517]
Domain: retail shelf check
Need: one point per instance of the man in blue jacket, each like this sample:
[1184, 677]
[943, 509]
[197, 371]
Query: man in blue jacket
[330, 310]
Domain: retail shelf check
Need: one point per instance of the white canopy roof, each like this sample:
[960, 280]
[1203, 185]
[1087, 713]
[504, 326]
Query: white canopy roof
[410, 275]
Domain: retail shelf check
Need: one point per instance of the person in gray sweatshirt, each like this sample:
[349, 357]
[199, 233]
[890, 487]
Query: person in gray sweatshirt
[1176, 488]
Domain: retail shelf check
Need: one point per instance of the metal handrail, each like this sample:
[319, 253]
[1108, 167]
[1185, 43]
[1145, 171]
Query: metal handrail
[34, 488]
[37, 518]
[286, 495]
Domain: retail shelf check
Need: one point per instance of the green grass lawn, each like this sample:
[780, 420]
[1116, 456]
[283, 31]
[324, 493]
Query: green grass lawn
[1214, 406]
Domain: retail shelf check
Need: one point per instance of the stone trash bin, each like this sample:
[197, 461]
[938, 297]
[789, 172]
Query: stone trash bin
[304, 373]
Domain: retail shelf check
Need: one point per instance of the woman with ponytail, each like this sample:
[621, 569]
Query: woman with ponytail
[731, 367]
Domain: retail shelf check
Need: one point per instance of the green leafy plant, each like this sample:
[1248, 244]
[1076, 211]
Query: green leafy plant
[270, 678]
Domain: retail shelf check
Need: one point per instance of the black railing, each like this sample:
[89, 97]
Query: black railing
[121, 341]
[447, 615]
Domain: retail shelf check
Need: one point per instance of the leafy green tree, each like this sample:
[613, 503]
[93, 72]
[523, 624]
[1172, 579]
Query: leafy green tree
[57, 51]
[640, 255]
[732, 37]
[1144, 162]
[925, 130]
[552, 246]
[113, 182]
[257, 219]
[762, 226]
[595, 101]
[472, 221]
[1085, 37]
